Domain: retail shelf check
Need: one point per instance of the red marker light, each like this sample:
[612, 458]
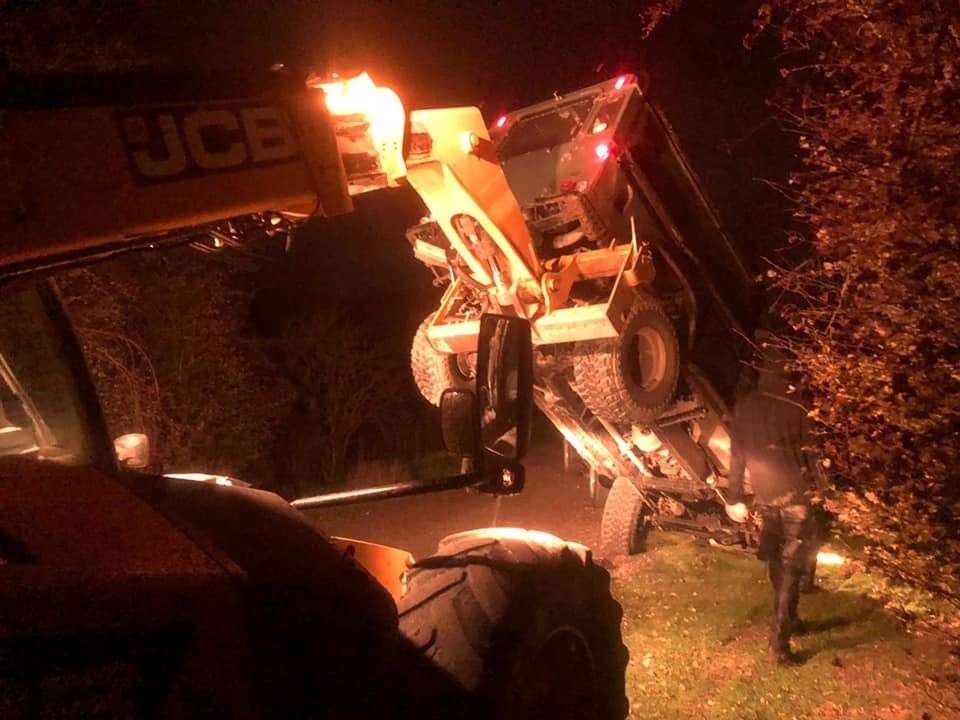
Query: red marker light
[621, 81]
[603, 151]
[501, 121]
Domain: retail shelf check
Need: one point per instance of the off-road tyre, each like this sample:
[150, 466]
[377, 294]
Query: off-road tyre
[523, 621]
[434, 371]
[625, 525]
[617, 381]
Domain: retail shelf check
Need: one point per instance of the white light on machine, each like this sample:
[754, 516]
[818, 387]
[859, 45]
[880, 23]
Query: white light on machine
[830, 559]
[382, 110]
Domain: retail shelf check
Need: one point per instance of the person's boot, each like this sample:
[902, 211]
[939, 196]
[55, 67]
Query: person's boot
[779, 650]
[785, 618]
[808, 581]
[797, 626]
[783, 655]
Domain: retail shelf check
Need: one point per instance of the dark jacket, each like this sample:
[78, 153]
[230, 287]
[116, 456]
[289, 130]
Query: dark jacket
[768, 437]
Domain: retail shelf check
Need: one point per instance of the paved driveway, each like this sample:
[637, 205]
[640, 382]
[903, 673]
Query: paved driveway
[552, 501]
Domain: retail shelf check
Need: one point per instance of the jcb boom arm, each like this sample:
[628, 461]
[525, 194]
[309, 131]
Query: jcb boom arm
[81, 178]
[85, 178]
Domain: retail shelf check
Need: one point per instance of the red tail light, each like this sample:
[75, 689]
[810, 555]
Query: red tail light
[501, 121]
[621, 81]
[602, 150]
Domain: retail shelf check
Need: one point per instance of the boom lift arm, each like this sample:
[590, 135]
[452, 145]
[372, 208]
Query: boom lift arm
[83, 175]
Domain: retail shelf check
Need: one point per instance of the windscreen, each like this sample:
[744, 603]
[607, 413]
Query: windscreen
[40, 408]
[546, 130]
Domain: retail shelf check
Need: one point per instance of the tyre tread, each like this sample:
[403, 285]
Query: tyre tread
[433, 371]
[621, 518]
[464, 615]
[600, 379]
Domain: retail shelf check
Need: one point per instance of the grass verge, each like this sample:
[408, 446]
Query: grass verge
[696, 622]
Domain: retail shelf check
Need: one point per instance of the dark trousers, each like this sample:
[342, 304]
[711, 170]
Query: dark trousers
[788, 544]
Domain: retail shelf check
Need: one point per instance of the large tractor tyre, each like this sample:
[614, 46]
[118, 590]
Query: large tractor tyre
[631, 378]
[522, 620]
[434, 371]
[625, 525]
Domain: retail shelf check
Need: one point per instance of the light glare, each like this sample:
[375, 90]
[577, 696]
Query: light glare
[382, 109]
[469, 141]
[830, 559]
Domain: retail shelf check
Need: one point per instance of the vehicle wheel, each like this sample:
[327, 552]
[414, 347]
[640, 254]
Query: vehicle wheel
[434, 371]
[599, 489]
[524, 620]
[624, 526]
[631, 378]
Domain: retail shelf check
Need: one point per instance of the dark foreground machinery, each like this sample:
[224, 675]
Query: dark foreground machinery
[126, 594]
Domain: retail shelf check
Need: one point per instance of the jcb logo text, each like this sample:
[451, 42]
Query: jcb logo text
[173, 143]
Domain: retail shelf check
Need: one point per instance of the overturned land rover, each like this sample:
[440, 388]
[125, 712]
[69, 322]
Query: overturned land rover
[582, 214]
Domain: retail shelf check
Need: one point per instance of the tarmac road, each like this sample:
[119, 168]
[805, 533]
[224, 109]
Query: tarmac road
[551, 501]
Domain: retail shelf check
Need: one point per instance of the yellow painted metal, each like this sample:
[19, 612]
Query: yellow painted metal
[429, 254]
[456, 337]
[573, 324]
[624, 260]
[71, 180]
[564, 325]
[461, 176]
[388, 565]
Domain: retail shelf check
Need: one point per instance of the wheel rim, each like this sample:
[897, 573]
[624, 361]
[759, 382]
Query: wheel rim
[565, 682]
[649, 353]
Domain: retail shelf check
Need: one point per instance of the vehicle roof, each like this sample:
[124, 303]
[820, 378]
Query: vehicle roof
[628, 81]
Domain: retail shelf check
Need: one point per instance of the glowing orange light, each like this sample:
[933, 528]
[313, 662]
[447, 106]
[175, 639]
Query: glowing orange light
[133, 450]
[501, 121]
[382, 109]
[621, 81]
[603, 151]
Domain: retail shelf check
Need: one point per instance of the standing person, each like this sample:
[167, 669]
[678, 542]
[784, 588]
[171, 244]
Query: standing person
[768, 436]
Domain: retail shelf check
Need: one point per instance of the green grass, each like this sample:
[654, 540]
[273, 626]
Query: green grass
[696, 622]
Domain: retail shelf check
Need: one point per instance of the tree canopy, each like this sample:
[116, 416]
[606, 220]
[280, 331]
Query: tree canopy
[873, 297]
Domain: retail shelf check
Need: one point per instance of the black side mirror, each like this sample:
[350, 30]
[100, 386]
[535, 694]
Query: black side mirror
[488, 429]
[505, 385]
[459, 422]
